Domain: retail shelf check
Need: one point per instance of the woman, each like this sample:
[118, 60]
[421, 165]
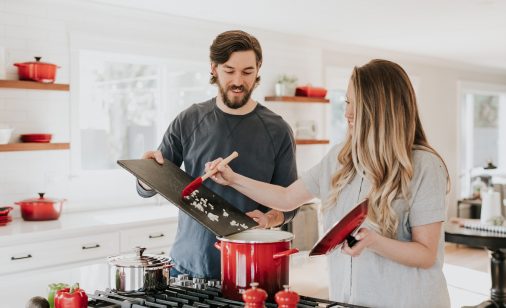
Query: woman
[387, 159]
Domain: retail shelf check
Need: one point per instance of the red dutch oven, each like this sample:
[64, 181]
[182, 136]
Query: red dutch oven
[37, 71]
[40, 208]
[256, 255]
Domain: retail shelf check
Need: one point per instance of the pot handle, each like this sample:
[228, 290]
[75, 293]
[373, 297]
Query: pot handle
[285, 253]
[217, 245]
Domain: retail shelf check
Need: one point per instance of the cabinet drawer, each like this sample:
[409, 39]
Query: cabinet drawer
[149, 237]
[58, 252]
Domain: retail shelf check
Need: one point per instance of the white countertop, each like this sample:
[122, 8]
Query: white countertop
[85, 223]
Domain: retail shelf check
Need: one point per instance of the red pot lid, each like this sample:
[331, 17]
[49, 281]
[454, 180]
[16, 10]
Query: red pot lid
[41, 198]
[338, 233]
[254, 296]
[37, 61]
[287, 297]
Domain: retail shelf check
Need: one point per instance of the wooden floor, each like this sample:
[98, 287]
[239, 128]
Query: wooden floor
[471, 258]
[467, 272]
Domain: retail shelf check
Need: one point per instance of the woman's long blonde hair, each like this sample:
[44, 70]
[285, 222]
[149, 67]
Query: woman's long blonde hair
[386, 131]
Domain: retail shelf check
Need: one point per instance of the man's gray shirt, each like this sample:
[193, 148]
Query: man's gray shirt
[202, 133]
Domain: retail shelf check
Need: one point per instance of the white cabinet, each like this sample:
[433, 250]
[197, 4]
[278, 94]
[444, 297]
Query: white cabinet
[18, 258]
[155, 239]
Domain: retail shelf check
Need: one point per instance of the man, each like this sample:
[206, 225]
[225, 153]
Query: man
[231, 121]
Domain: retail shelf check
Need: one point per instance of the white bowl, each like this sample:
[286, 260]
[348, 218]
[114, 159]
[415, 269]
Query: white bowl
[5, 135]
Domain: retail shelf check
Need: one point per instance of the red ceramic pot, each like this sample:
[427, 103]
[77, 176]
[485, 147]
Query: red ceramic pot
[40, 208]
[254, 256]
[37, 71]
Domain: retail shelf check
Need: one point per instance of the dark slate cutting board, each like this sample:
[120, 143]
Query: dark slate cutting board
[216, 214]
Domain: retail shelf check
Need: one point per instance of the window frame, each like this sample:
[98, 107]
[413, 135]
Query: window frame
[465, 142]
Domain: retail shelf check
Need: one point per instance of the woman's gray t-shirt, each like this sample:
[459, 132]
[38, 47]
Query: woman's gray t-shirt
[370, 279]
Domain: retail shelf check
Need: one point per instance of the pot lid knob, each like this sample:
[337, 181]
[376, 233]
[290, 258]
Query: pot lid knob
[41, 195]
[37, 59]
[139, 251]
[254, 297]
[287, 298]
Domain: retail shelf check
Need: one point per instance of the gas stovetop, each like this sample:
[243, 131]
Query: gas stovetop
[187, 294]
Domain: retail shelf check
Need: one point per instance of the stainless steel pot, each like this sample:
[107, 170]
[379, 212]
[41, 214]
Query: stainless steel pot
[138, 271]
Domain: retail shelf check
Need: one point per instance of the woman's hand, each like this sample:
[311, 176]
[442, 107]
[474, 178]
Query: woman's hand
[224, 176]
[365, 238]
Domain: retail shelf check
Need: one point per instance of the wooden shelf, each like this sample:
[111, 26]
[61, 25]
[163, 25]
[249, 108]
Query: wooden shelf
[296, 99]
[32, 85]
[29, 146]
[312, 141]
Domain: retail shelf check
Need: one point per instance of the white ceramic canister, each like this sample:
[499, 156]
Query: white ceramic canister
[490, 206]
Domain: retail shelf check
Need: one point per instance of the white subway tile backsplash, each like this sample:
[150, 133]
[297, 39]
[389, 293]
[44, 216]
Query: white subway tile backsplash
[25, 32]
[10, 43]
[44, 48]
[47, 23]
[28, 7]
[13, 19]
[14, 187]
[13, 93]
[13, 116]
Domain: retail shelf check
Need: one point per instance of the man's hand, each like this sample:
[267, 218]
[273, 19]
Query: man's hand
[270, 219]
[158, 157]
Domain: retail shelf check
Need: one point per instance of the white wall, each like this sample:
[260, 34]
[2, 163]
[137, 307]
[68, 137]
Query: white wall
[56, 29]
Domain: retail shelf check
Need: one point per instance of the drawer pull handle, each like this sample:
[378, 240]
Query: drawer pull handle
[91, 247]
[157, 236]
[20, 258]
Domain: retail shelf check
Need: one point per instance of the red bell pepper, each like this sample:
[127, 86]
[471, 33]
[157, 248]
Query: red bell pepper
[73, 297]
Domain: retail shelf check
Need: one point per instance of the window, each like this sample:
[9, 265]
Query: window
[121, 107]
[118, 112]
[126, 104]
[483, 134]
[337, 82]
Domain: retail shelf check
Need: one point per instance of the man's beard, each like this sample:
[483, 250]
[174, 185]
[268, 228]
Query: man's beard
[235, 104]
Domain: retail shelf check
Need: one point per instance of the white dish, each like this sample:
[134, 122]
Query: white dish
[5, 135]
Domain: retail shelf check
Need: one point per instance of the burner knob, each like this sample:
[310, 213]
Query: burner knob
[214, 283]
[182, 277]
[287, 298]
[199, 286]
[185, 283]
[254, 297]
[199, 280]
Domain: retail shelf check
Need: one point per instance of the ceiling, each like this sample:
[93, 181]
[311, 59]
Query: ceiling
[468, 31]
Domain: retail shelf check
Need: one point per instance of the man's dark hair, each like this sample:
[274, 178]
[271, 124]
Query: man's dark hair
[231, 41]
